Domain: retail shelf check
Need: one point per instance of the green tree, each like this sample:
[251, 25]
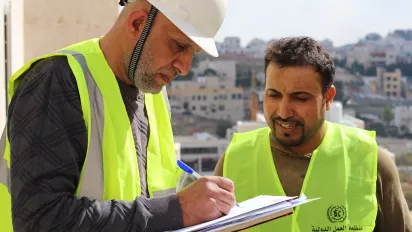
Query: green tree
[209, 71]
[357, 68]
[379, 128]
[388, 115]
[221, 127]
[339, 91]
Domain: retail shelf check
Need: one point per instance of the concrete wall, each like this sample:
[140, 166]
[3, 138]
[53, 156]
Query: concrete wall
[38, 27]
[43, 26]
[3, 91]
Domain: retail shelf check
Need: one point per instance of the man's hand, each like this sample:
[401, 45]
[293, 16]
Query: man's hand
[206, 199]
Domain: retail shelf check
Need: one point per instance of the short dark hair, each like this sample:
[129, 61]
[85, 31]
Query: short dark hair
[302, 51]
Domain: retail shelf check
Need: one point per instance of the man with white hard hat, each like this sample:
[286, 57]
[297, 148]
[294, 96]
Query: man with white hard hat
[89, 144]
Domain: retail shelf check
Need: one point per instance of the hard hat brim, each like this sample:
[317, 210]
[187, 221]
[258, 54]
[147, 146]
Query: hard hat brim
[206, 43]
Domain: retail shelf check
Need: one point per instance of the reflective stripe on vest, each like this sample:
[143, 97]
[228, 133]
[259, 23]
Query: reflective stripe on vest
[4, 171]
[93, 183]
[93, 178]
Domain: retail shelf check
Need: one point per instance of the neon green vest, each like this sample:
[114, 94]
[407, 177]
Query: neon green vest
[342, 172]
[110, 170]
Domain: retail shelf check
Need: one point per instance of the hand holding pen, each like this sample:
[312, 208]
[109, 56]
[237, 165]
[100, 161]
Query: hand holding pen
[206, 199]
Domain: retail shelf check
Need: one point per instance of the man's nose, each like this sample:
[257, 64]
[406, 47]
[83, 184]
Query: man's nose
[285, 110]
[183, 63]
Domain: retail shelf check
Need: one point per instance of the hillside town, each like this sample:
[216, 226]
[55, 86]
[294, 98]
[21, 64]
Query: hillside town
[224, 95]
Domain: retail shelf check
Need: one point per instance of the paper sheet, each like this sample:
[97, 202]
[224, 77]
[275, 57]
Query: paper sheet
[249, 209]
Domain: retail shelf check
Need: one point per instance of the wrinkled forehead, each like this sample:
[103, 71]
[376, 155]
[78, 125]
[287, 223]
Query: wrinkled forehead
[293, 78]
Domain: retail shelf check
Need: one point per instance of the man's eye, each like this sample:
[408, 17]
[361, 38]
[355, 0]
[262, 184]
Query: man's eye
[303, 99]
[179, 46]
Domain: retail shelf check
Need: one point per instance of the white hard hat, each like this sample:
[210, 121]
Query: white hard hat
[200, 20]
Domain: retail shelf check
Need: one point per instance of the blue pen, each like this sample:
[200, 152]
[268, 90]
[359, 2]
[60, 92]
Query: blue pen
[189, 170]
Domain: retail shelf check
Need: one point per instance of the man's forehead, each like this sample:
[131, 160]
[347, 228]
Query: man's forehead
[293, 79]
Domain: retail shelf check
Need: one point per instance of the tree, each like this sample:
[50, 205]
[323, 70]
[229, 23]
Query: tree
[371, 71]
[221, 127]
[340, 63]
[339, 91]
[404, 129]
[210, 71]
[379, 128]
[357, 68]
[388, 115]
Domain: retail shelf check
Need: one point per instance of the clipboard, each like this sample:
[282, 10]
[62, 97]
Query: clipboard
[252, 212]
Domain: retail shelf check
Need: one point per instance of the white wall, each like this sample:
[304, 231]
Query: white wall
[3, 77]
[17, 34]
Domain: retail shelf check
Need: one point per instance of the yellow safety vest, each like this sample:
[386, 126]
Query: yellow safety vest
[110, 169]
[342, 172]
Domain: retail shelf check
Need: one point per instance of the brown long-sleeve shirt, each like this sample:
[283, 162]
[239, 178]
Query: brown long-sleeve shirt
[393, 213]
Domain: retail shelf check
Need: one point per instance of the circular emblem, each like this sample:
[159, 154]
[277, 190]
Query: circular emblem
[337, 213]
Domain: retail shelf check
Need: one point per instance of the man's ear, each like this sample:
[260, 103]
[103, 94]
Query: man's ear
[135, 23]
[329, 96]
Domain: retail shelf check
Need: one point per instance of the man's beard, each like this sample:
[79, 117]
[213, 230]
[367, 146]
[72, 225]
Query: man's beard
[144, 76]
[303, 138]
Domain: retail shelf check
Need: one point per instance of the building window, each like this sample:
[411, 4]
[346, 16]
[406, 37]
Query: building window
[388, 86]
[203, 108]
[194, 98]
[193, 107]
[222, 107]
[389, 79]
[395, 94]
[199, 97]
[204, 98]
[395, 86]
[198, 150]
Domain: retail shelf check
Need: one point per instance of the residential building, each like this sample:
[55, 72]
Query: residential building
[201, 151]
[389, 83]
[256, 48]
[396, 146]
[359, 54]
[230, 45]
[327, 44]
[403, 116]
[238, 68]
[208, 97]
[225, 68]
[381, 58]
[370, 85]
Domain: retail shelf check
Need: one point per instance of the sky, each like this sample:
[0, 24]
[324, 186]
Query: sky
[342, 21]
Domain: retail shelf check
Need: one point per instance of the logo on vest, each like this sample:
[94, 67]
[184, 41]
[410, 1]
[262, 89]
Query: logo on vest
[336, 213]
